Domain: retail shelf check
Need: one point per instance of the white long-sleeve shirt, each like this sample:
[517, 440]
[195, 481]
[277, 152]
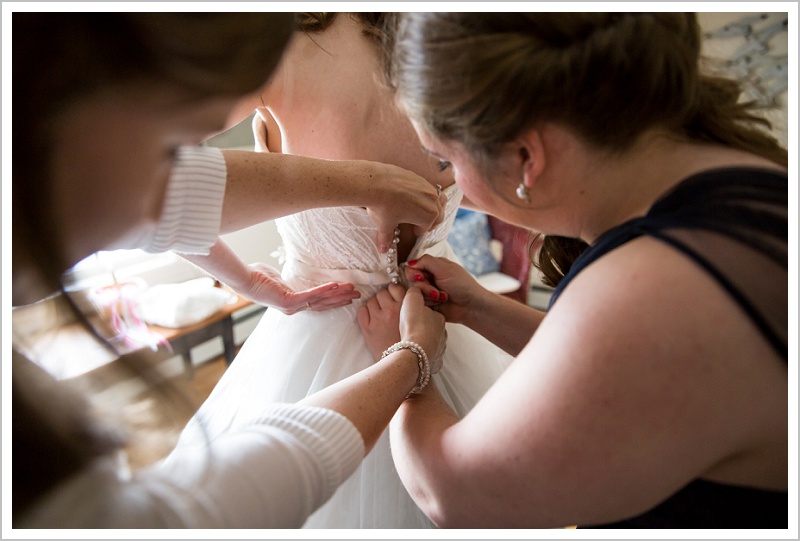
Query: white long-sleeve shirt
[271, 474]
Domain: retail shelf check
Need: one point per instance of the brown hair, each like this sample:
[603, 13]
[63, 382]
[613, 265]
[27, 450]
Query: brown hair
[380, 28]
[556, 256]
[482, 79]
[377, 26]
[58, 58]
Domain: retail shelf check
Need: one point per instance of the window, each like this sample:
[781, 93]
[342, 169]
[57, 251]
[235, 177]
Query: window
[103, 268]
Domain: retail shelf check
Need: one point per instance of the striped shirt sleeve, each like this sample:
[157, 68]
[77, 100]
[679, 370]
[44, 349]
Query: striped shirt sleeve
[192, 211]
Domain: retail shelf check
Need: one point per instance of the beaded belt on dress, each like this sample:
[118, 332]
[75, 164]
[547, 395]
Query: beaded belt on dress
[295, 267]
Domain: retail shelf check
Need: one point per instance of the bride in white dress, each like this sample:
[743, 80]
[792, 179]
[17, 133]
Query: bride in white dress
[287, 357]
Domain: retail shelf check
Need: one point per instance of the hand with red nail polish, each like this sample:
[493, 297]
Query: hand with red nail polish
[424, 282]
[446, 285]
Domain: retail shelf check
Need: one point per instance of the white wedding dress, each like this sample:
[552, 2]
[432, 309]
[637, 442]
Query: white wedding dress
[289, 357]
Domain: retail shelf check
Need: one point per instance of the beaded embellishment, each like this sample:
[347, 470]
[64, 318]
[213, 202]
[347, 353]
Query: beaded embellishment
[392, 268]
[422, 359]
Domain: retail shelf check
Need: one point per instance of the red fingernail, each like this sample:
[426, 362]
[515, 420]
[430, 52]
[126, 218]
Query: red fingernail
[418, 277]
[412, 263]
[435, 295]
[443, 297]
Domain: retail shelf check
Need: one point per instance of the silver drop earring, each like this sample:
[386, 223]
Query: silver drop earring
[523, 193]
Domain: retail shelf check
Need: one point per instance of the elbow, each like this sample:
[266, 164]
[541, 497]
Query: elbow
[464, 514]
[446, 519]
[459, 518]
[438, 512]
[447, 509]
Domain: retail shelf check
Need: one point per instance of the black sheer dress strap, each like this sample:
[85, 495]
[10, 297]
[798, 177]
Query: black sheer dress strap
[734, 224]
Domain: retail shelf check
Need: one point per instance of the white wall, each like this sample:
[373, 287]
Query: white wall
[256, 243]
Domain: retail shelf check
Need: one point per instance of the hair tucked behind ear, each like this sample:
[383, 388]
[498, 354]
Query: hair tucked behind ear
[482, 79]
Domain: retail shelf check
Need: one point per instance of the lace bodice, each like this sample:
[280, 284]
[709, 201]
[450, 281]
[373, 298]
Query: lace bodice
[343, 239]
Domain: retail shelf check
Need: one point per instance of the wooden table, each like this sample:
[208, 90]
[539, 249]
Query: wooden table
[183, 339]
[68, 350]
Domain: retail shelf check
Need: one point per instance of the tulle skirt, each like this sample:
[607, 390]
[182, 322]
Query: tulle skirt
[287, 358]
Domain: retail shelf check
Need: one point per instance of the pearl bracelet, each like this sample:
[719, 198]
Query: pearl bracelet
[422, 358]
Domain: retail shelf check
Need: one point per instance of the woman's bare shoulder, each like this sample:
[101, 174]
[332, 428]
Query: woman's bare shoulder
[642, 365]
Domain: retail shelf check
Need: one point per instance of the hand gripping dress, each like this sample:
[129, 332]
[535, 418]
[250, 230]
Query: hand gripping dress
[289, 357]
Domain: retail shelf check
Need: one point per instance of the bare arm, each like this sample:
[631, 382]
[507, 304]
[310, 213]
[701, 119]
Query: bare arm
[263, 284]
[371, 397]
[262, 186]
[507, 323]
[622, 397]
